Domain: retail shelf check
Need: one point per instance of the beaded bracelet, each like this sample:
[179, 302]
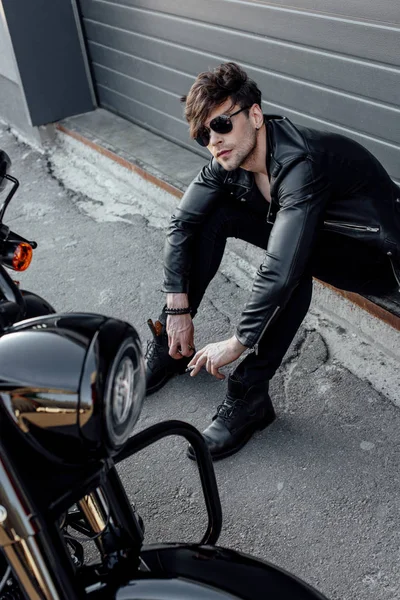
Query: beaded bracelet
[177, 311]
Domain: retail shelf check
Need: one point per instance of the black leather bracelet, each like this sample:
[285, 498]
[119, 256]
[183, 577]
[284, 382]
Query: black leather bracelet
[177, 311]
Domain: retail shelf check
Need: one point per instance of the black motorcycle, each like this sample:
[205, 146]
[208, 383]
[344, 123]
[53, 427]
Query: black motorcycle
[16, 254]
[71, 391]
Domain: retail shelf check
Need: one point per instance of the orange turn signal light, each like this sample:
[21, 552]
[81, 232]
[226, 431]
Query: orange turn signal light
[22, 257]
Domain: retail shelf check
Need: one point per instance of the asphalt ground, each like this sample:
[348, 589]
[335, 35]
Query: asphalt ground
[317, 492]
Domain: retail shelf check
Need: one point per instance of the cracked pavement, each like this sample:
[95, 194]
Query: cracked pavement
[317, 492]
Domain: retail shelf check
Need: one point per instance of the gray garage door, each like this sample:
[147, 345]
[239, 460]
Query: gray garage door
[323, 63]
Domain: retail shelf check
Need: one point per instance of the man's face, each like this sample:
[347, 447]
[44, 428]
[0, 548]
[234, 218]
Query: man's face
[232, 149]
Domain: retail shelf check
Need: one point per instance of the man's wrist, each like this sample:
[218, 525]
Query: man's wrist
[177, 300]
[238, 345]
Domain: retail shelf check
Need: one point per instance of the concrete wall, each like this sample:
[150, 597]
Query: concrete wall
[13, 109]
[44, 75]
[7, 60]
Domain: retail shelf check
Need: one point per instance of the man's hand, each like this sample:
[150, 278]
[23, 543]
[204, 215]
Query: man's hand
[217, 355]
[180, 328]
[180, 335]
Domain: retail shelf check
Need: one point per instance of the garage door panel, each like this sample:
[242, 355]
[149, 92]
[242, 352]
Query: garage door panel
[365, 79]
[365, 117]
[140, 91]
[348, 111]
[323, 71]
[372, 41]
[385, 11]
[158, 75]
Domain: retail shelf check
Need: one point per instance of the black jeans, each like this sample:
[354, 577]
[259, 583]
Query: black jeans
[337, 260]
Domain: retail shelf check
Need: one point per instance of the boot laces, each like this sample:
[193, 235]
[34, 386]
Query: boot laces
[153, 350]
[227, 409]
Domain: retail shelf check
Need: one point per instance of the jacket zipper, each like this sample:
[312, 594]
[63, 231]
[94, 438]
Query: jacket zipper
[352, 226]
[255, 347]
[397, 278]
[244, 191]
[270, 214]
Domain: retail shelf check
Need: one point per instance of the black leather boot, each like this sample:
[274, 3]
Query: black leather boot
[244, 411]
[160, 366]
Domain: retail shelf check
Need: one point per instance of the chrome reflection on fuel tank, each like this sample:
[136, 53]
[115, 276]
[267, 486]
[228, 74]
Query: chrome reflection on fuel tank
[41, 362]
[39, 378]
[45, 409]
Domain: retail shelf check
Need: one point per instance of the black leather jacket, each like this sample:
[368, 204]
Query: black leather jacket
[319, 180]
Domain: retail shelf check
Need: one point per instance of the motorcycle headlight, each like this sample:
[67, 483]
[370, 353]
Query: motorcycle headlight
[112, 386]
[125, 391]
[74, 384]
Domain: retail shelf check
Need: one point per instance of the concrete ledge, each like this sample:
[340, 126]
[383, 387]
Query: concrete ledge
[163, 160]
[128, 164]
[372, 308]
[154, 159]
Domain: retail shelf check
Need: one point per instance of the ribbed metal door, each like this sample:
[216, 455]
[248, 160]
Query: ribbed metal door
[325, 64]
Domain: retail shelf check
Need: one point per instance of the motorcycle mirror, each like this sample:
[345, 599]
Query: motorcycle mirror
[73, 384]
[5, 165]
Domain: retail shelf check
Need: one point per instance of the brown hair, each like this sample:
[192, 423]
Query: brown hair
[212, 88]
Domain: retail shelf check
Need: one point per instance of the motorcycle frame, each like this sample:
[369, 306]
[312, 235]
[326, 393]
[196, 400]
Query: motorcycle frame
[30, 553]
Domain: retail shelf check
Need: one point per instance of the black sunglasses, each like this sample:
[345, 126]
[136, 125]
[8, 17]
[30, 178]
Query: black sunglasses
[221, 124]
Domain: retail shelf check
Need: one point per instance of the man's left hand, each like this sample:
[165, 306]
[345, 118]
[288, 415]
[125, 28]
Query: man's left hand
[217, 355]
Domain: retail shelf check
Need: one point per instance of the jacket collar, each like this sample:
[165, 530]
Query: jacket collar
[239, 177]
